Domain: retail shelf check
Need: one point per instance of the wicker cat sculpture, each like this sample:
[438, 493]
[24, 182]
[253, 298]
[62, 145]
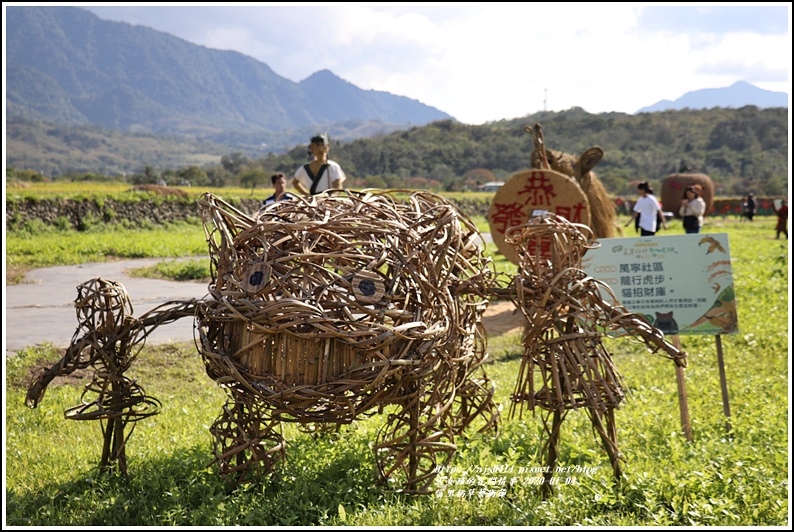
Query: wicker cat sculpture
[324, 308]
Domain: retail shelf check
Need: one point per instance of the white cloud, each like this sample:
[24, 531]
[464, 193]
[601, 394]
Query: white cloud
[502, 60]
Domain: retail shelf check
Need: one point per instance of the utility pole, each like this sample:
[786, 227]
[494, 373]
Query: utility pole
[544, 99]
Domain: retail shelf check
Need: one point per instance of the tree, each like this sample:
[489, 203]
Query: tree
[149, 176]
[194, 175]
[216, 176]
[476, 177]
[253, 176]
[374, 181]
[24, 175]
[235, 163]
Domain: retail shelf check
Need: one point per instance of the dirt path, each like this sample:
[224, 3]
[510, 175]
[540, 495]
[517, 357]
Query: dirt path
[502, 317]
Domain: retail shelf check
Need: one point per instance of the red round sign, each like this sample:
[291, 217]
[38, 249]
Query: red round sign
[530, 193]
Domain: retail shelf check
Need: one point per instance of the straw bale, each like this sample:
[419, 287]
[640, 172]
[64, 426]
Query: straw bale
[673, 187]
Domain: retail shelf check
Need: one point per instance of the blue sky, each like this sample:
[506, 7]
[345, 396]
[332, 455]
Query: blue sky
[488, 62]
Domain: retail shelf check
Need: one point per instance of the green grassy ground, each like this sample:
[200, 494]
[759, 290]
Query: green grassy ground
[720, 478]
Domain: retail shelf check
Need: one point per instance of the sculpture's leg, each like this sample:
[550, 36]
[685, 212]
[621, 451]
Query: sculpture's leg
[609, 438]
[116, 444]
[414, 444]
[113, 447]
[107, 433]
[474, 403]
[248, 441]
[552, 453]
[473, 400]
[119, 402]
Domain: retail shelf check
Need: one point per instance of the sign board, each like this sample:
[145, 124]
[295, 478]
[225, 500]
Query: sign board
[528, 193]
[683, 284]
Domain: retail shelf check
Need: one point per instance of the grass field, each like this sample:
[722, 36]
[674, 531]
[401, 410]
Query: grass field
[720, 478]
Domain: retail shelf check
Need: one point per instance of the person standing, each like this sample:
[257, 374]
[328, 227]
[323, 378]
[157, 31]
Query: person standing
[692, 209]
[647, 211]
[782, 220]
[280, 190]
[321, 173]
[749, 207]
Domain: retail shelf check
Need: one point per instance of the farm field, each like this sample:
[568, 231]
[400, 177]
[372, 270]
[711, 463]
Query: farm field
[720, 478]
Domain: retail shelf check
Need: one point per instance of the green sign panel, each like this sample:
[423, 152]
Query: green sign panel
[683, 284]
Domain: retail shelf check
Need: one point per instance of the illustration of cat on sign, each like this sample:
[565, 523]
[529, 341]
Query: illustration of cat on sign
[665, 322]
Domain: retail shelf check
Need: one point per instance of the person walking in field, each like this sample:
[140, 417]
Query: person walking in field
[782, 220]
[647, 211]
[748, 207]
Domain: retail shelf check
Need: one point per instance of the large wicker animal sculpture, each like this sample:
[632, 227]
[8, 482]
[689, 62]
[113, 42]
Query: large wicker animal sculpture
[325, 308]
[602, 207]
[565, 365]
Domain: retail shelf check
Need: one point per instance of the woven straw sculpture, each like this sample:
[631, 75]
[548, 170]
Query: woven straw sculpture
[321, 309]
[324, 309]
[565, 365]
[580, 168]
[108, 338]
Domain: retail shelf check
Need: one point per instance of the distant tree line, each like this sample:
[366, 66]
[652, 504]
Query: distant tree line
[740, 149]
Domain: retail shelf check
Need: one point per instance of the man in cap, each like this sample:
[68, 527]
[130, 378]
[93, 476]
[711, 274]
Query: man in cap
[322, 173]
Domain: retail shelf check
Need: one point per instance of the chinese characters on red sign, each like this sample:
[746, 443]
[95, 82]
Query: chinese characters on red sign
[535, 190]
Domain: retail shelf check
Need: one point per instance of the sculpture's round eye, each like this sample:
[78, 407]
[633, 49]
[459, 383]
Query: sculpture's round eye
[368, 287]
[256, 277]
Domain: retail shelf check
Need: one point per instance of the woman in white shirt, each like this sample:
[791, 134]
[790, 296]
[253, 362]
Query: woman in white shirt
[322, 173]
[648, 210]
[692, 209]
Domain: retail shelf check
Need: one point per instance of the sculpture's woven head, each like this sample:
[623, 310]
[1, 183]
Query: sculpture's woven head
[550, 243]
[101, 306]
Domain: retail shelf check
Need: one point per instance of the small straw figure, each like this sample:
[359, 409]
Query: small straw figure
[565, 366]
[107, 338]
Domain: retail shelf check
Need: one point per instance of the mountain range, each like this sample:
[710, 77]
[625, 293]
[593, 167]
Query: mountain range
[65, 65]
[737, 95]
